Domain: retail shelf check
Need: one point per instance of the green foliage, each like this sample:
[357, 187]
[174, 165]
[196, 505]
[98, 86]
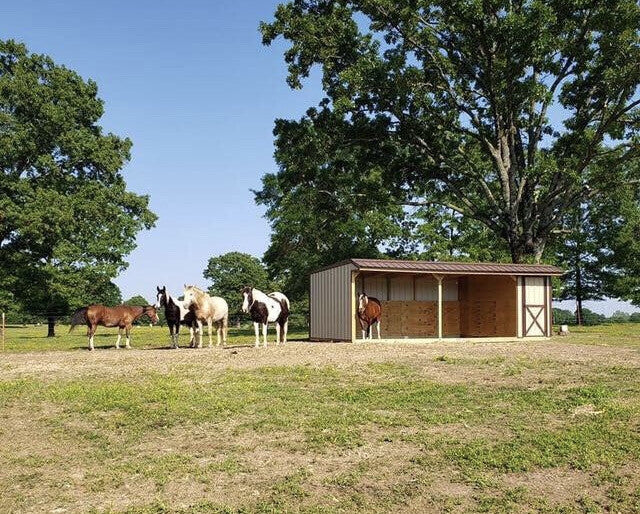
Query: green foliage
[233, 271]
[563, 317]
[137, 300]
[444, 106]
[66, 218]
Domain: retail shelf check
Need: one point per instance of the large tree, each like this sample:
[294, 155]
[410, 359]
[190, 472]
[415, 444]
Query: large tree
[64, 208]
[231, 272]
[498, 110]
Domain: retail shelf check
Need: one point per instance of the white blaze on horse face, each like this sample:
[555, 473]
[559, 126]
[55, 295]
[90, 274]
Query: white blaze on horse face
[363, 300]
[245, 302]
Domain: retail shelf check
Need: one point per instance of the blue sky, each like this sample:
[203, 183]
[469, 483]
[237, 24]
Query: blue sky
[191, 84]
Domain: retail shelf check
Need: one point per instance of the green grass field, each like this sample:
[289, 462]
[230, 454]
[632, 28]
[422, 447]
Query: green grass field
[549, 426]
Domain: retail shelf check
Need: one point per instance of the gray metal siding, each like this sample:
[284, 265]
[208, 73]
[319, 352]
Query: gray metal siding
[330, 299]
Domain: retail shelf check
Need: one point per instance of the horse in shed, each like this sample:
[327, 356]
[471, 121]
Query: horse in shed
[265, 309]
[176, 314]
[121, 316]
[212, 309]
[369, 312]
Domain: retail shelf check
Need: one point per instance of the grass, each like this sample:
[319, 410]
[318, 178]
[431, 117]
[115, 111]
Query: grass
[547, 427]
[34, 337]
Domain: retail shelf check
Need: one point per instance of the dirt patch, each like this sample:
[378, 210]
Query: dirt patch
[111, 362]
[560, 486]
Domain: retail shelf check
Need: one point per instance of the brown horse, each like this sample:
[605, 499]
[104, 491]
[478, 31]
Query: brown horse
[369, 312]
[121, 316]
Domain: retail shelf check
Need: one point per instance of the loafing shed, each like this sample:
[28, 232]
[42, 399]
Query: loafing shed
[433, 300]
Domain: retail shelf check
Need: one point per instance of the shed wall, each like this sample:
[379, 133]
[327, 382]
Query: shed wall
[330, 303]
[488, 306]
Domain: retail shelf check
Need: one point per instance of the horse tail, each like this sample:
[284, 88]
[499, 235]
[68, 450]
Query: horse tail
[284, 311]
[79, 317]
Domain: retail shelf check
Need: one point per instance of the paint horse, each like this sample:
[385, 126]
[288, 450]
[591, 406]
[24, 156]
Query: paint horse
[264, 309]
[210, 309]
[176, 314]
[369, 312]
[121, 316]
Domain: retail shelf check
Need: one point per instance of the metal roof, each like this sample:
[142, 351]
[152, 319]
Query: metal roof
[450, 268]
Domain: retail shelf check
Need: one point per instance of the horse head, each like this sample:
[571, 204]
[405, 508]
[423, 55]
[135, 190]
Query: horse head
[150, 311]
[191, 296]
[247, 298]
[363, 300]
[161, 297]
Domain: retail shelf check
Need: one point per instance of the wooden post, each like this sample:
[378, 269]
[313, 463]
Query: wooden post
[3, 331]
[354, 306]
[440, 309]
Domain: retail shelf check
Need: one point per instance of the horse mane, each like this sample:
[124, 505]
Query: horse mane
[259, 295]
[198, 293]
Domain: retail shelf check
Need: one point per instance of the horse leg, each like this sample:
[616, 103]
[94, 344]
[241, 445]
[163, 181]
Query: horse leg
[264, 333]
[199, 334]
[210, 327]
[118, 340]
[378, 327]
[192, 335]
[277, 333]
[256, 327]
[285, 329]
[127, 331]
[91, 332]
[219, 332]
[225, 330]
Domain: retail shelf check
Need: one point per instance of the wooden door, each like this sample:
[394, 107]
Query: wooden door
[534, 306]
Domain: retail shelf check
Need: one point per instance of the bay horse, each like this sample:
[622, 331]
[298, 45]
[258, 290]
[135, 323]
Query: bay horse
[121, 316]
[212, 309]
[369, 312]
[264, 309]
[176, 314]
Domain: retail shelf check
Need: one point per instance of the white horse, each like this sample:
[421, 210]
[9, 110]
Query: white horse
[211, 309]
[263, 309]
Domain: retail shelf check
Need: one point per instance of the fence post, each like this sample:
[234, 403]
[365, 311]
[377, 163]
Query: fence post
[3, 331]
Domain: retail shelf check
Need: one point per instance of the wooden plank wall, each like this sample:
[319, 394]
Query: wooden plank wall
[487, 306]
[418, 319]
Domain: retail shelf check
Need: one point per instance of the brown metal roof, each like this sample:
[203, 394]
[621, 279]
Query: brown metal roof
[466, 268]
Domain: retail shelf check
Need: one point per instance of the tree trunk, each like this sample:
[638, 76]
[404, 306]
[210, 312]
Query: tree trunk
[579, 318]
[51, 322]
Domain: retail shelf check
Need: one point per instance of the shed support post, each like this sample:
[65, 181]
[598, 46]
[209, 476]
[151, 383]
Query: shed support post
[354, 306]
[440, 309]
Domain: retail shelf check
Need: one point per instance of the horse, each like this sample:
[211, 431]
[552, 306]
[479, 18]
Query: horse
[263, 309]
[121, 316]
[369, 312]
[176, 314]
[212, 309]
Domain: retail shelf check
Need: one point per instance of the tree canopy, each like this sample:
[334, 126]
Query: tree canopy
[501, 111]
[231, 272]
[65, 211]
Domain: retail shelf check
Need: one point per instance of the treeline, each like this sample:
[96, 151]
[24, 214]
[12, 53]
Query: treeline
[590, 318]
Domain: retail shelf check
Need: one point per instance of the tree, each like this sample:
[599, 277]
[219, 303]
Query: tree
[66, 218]
[231, 272]
[137, 301]
[620, 317]
[583, 256]
[591, 318]
[497, 110]
[563, 316]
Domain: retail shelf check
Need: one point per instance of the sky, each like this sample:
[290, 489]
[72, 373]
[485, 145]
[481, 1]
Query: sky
[196, 91]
